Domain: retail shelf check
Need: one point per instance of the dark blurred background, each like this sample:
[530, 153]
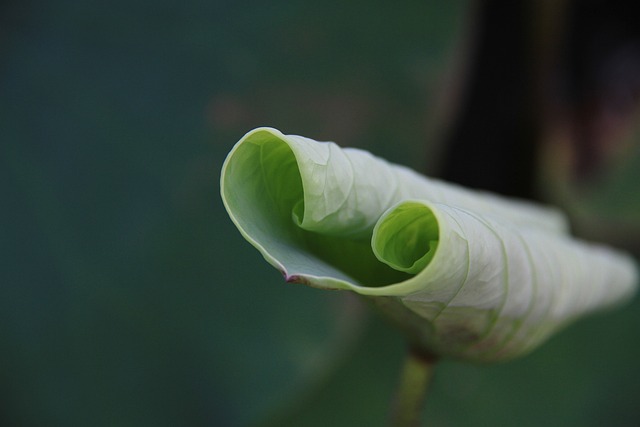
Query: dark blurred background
[128, 298]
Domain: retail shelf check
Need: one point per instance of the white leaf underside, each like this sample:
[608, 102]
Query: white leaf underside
[490, 277]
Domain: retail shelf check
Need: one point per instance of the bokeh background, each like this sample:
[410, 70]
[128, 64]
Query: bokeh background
[127, 297]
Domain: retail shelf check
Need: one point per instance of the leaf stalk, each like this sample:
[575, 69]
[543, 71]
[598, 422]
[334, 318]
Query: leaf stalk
[415, 378]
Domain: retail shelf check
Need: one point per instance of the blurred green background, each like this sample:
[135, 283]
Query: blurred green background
[128, 298]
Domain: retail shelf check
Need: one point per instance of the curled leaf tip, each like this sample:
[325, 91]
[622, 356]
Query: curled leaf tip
[471, 274]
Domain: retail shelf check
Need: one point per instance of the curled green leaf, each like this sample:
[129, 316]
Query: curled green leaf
[470, 274]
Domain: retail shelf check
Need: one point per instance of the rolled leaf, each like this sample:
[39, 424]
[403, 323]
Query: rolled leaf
[470, 275]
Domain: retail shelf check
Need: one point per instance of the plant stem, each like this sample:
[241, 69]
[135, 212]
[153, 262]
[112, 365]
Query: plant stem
[410, 396]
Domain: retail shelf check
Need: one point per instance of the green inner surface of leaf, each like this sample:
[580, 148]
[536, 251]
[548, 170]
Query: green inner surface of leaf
[406, 239]
[264, 188]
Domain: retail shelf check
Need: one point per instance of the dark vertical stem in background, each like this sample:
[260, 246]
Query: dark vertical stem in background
[492, 141]
[600, 69]
[565, 63]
